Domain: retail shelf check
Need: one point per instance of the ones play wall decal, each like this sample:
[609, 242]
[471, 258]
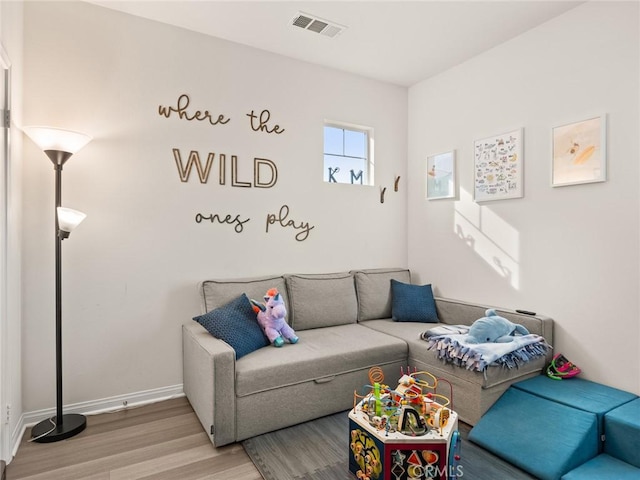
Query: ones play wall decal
[265, 171]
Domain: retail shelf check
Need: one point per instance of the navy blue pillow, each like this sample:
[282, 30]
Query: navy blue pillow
[412, 303]
[236, 324]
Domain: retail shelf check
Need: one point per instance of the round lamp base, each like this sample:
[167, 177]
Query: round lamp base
[72, 424]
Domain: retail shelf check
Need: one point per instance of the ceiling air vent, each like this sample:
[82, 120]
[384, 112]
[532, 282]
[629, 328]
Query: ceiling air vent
[317, 25]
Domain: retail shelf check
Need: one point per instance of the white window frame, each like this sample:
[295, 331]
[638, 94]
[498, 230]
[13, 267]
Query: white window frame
[369, 173]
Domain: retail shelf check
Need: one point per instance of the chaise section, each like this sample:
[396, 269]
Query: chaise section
[453, 312]
[474, 392]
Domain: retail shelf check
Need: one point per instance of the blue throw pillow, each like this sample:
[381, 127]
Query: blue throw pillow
[236, 324]
[412, 303]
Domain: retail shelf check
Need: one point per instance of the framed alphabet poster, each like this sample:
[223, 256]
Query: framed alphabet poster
[441, 176]
[579, 152]
[498, 166]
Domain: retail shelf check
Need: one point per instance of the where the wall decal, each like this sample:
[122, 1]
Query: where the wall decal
[257, 122]
[181, 109]
[263, 123]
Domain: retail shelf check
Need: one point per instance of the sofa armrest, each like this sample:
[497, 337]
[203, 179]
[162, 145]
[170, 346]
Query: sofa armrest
[209, 382]
[454, 312]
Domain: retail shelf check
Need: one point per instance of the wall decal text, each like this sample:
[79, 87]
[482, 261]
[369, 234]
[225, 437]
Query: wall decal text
[259, 123]
[265, 171]
[228, 219]
[181, 109]
[281, 219]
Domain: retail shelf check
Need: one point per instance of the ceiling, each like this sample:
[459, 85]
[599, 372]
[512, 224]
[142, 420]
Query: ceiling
[400, 42]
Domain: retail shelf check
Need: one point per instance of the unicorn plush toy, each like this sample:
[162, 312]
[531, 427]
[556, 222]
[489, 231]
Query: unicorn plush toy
[271, 317]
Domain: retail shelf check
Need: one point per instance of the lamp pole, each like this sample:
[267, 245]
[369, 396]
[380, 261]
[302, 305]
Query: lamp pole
[59, 416]
[62, 426]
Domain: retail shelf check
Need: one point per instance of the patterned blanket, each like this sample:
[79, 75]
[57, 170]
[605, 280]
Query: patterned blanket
[450, 343]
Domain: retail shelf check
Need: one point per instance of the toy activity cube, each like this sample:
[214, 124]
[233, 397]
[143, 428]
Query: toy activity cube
[404, 434]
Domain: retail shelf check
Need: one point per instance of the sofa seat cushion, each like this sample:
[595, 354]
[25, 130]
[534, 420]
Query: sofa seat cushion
[410, 332]
[320, 355]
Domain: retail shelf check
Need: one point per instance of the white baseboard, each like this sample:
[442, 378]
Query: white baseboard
[93, 407]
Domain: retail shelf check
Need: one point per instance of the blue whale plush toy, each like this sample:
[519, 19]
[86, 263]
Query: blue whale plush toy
[493, 328]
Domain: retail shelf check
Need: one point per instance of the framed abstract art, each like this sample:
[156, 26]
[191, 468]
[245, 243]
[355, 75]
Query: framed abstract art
[579, 152]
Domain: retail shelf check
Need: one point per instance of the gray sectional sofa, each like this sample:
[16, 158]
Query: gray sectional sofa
[344, 324]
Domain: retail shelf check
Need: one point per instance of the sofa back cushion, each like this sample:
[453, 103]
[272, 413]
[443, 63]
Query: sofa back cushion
[216, 293]
[321, 300]
[374, 291]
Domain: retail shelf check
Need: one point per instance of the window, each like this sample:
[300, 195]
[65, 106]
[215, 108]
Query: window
[348, 156]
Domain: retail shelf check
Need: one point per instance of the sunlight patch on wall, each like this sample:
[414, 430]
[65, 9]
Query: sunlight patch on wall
[493, 239]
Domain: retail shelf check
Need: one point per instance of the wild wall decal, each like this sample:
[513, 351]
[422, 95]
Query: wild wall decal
[260, 165]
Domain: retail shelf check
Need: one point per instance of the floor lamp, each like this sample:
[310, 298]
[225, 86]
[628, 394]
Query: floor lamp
[59, 145]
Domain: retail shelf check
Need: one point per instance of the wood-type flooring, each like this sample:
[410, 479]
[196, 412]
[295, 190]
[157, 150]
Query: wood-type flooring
[160, 441]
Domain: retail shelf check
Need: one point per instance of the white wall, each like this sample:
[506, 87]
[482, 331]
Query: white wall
[11, 37]
[571, 252]
[131, 269]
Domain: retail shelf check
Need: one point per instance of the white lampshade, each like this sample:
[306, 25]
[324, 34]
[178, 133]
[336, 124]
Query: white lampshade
[68, 219]
[49, 138]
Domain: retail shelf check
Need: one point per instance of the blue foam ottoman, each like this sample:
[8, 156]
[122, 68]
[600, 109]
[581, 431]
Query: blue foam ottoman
[542, 437]
[578, 393]
[622, 433]
[604, 467]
